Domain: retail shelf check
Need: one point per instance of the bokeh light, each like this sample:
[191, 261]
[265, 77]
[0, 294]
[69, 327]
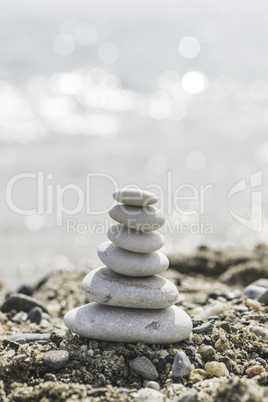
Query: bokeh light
[189, 47]
[34, 222]
[193, 82]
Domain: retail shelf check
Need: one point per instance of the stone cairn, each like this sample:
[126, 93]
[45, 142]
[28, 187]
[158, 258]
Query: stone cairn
[131, 303]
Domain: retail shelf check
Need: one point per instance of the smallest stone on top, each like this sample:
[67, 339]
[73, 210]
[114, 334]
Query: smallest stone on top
[135, 197]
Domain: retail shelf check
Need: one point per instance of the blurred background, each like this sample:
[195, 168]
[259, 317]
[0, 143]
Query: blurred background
[168, 93]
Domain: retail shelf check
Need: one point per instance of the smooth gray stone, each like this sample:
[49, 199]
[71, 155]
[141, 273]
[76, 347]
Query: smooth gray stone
[144, 219]
[207, 352]
[29, 337]
[153, 385]
[119, 324]
[181, 366]
[21, 302]
[20, 357]
[132, 240]
[135, 197]
[254, 291]
[56, 359]
[206, 327]
[132, 264]
[104, 286]
[144, 367]
[35, 315]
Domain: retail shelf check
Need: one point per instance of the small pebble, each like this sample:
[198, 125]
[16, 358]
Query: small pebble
[221, 344]
[25, 289]
[144, 367]
[50, 377]
[264, 298]
[56, 338]
[206, 327]
[254, 292]
[244, 321]
[207, 352]
[252, 371]
[35, 315]
[28, 337]
[227, 361]
[85, 361]
[230, 295]
[19, 317]
[261, 332]
[20, 357]
[153, 385]
[198, 363]
[217, 369]
[10, 353]
[56, 358]
[197, 323]
[226, 326]
[161, 365]
[163, 353]
[197, 375]
[181, 366]
[21, 341]
[253, 304]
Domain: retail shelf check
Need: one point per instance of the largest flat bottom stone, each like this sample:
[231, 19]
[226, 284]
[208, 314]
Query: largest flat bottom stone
[119, 324]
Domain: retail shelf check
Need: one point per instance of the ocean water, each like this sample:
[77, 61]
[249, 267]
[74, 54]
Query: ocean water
[171, 97]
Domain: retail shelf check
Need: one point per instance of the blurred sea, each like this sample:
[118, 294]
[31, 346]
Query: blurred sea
[169, 95]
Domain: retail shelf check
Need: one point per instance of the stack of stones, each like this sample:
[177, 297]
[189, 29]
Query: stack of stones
[131, 303]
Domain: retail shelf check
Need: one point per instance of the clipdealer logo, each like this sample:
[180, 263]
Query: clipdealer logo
[186, 201]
